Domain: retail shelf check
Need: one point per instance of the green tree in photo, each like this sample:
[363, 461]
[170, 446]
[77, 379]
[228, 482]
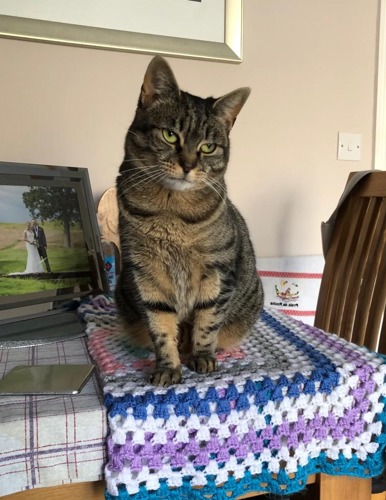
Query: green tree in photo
[54, 204]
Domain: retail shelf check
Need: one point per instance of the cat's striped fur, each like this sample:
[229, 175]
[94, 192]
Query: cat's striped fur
[188, 272]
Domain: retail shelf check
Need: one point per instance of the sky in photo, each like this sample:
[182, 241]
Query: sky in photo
[12, 208]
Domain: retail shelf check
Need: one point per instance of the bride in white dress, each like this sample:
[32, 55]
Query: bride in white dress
[34, 264]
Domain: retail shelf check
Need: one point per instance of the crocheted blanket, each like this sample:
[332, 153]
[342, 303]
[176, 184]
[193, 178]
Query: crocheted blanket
[291, 401]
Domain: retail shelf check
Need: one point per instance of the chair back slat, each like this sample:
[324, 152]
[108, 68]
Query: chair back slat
[365, 265]
[360, 254]
[344, 270]
[377, 308]
[328, 292]
[352, 297]
[382, 339]
[368, 300]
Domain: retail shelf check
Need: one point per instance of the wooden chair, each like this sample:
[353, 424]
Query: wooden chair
[352, 296]
[351, 304]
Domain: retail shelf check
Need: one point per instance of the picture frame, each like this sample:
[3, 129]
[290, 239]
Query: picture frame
[228, 49]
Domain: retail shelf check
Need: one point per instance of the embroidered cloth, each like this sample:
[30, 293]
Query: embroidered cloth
[291, 401]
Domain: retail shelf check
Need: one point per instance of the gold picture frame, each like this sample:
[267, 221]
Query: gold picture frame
[231, 50]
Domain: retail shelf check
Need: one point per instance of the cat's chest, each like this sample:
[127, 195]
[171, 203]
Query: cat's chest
[180, 274]
[169, 232]
[180, 268]
[171, 252]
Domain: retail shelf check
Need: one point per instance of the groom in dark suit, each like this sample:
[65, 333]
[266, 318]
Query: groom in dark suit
[41, 243]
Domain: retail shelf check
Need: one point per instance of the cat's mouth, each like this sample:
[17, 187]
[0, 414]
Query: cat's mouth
[178, 183]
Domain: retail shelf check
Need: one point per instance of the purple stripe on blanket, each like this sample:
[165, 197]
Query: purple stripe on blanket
[349, 426]
[333, 342]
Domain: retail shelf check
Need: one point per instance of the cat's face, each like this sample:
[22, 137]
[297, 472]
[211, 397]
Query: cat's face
[176, 139]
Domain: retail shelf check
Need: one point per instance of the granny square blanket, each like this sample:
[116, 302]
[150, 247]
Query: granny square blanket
[291, 401]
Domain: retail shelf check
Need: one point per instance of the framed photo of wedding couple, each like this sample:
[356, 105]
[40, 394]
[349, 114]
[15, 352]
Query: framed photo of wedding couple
[201, 29]
[49, 241]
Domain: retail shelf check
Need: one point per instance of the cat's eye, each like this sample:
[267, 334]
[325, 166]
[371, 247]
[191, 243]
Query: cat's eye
[169, 136]
[208, 148]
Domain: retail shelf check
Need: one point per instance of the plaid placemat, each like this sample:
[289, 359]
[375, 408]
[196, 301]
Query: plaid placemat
[50, 440]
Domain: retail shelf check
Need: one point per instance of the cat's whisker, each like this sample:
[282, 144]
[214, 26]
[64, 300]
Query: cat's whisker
[142, 168]
[220, 186]
[208, 183]
[222, 190]
[133, 159]
[147, 179]
[140, 172]
[132, 133]
[139, 175]
[216, 182]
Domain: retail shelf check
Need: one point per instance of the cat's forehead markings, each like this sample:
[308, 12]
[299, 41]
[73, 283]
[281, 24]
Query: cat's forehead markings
[182, 138]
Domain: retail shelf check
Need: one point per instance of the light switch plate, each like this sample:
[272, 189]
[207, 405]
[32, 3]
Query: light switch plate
[349, 146]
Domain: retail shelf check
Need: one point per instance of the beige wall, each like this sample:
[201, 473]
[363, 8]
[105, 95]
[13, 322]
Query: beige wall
[311, 65]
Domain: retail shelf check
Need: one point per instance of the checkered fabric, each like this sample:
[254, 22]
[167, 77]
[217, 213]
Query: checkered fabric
[50, 440]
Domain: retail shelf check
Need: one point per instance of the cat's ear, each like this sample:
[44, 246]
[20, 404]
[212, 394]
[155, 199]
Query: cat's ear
[229, 106]
[159, 80]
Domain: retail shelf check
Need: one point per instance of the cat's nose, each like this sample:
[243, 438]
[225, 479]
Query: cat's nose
[187, 164]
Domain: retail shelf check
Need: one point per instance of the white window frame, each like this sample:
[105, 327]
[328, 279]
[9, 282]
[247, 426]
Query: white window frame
[380, 113]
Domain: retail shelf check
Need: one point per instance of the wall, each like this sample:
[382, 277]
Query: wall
[311, 65]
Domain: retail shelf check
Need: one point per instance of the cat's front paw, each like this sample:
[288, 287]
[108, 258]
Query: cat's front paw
[166, 376]
[203, 363]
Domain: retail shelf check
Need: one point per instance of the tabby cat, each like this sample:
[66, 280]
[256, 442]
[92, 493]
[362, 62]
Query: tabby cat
[188, 277]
